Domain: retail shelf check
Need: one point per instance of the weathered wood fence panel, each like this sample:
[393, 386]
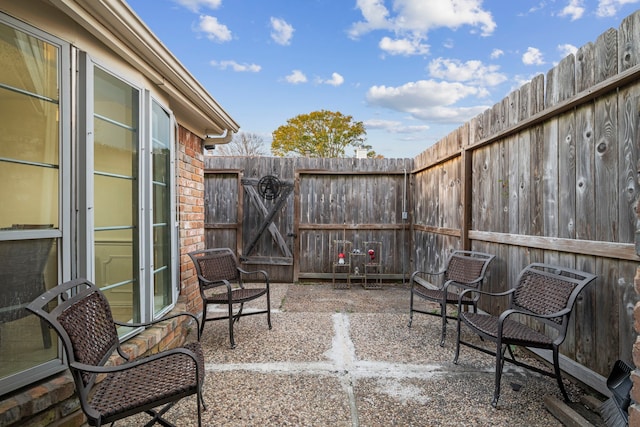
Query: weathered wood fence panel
[554, 178]
[360, 200]
[355, 206]
[222, 209]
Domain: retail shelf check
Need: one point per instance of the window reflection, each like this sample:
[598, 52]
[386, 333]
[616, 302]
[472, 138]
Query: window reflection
[27, 269]
[29, 171]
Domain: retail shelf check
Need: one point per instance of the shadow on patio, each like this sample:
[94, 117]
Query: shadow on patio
[347, 358]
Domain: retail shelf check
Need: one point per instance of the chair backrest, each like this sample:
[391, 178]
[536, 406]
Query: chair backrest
[216, 264]
[467, 266]
[80, 314]
[545, 289]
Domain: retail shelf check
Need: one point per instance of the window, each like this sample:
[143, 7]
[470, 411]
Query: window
[129, 199]
[118, 173]
[33, 107]
[116, 200]
[162, 208]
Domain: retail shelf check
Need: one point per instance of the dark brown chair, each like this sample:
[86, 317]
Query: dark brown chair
[544, 295]
[80, 314]
[463, 270]
[222, 282]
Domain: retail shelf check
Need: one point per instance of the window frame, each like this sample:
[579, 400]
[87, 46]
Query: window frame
[63, 234]
[86, 241]
[147, 133]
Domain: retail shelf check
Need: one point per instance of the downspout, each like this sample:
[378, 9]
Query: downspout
[210, 140]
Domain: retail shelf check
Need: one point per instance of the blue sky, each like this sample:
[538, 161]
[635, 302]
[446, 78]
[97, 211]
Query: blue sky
[411, 70]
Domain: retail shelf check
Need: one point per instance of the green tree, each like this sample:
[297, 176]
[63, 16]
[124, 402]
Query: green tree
[319, 134]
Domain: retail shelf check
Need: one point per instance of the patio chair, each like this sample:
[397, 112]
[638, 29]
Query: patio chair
[222, 282]
[544, 295]
[109, 385]
[463, 270]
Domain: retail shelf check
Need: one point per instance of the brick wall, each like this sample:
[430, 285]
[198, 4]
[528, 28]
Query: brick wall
[53, 402]
[190, 169]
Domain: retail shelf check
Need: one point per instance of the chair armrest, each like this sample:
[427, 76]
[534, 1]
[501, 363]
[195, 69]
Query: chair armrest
[255, 272]
[477, 291]
[153, 322]
[130, 365]
[417, 277]
[463, 285]
[208, 284]
[509, 312]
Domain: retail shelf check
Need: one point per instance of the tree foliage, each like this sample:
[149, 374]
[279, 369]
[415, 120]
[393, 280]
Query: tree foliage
[245, 144]
[319, 134]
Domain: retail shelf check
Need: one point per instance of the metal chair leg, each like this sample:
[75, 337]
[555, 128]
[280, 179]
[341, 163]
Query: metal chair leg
[455, 359]
[556, 368]
[443, 312]
[500, 350]
[411, 308]
[231, 320]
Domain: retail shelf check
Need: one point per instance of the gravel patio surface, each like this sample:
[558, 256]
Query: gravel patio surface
[346, 357]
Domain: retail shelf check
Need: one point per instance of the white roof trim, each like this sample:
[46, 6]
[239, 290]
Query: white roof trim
[115, 24]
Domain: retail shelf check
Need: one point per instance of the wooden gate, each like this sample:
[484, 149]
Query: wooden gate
[252, 216]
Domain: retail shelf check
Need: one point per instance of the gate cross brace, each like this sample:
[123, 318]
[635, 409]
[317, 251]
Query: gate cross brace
[268, 217]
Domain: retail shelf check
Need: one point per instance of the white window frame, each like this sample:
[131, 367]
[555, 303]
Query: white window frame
[86, 258]
[64, 233]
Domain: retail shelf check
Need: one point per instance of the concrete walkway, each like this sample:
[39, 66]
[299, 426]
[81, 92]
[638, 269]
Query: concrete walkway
[346, 357]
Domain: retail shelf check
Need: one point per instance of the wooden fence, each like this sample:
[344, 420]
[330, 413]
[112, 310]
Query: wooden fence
[359, 200]
[549, 174]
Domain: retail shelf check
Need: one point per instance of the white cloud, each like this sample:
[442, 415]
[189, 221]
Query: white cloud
[394, 126]
[496, 53]
[196, 5]
[296, 77]
[575, 9]
[610, 7]
[532, 56]
[382, 124]
[215, 31]
[404, 47]
[335, 80]
[281, 31]
[474, 72]
[567, 49]
[418, 17]
[427, 100]
[223, 65]
[375, 16]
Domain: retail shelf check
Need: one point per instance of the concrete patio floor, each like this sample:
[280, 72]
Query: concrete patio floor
[345, 357]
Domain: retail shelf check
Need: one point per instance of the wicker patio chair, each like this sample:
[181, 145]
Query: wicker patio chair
[463, 270]
[109, 385]
[543, 295]
[222, 282]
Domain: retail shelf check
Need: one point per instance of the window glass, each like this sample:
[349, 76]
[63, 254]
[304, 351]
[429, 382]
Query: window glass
[115, 195]
[29, 191]
[161, 171]
[29, 129]
[27, 269]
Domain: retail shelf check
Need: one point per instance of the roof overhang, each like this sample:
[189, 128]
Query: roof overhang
[116, 25]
